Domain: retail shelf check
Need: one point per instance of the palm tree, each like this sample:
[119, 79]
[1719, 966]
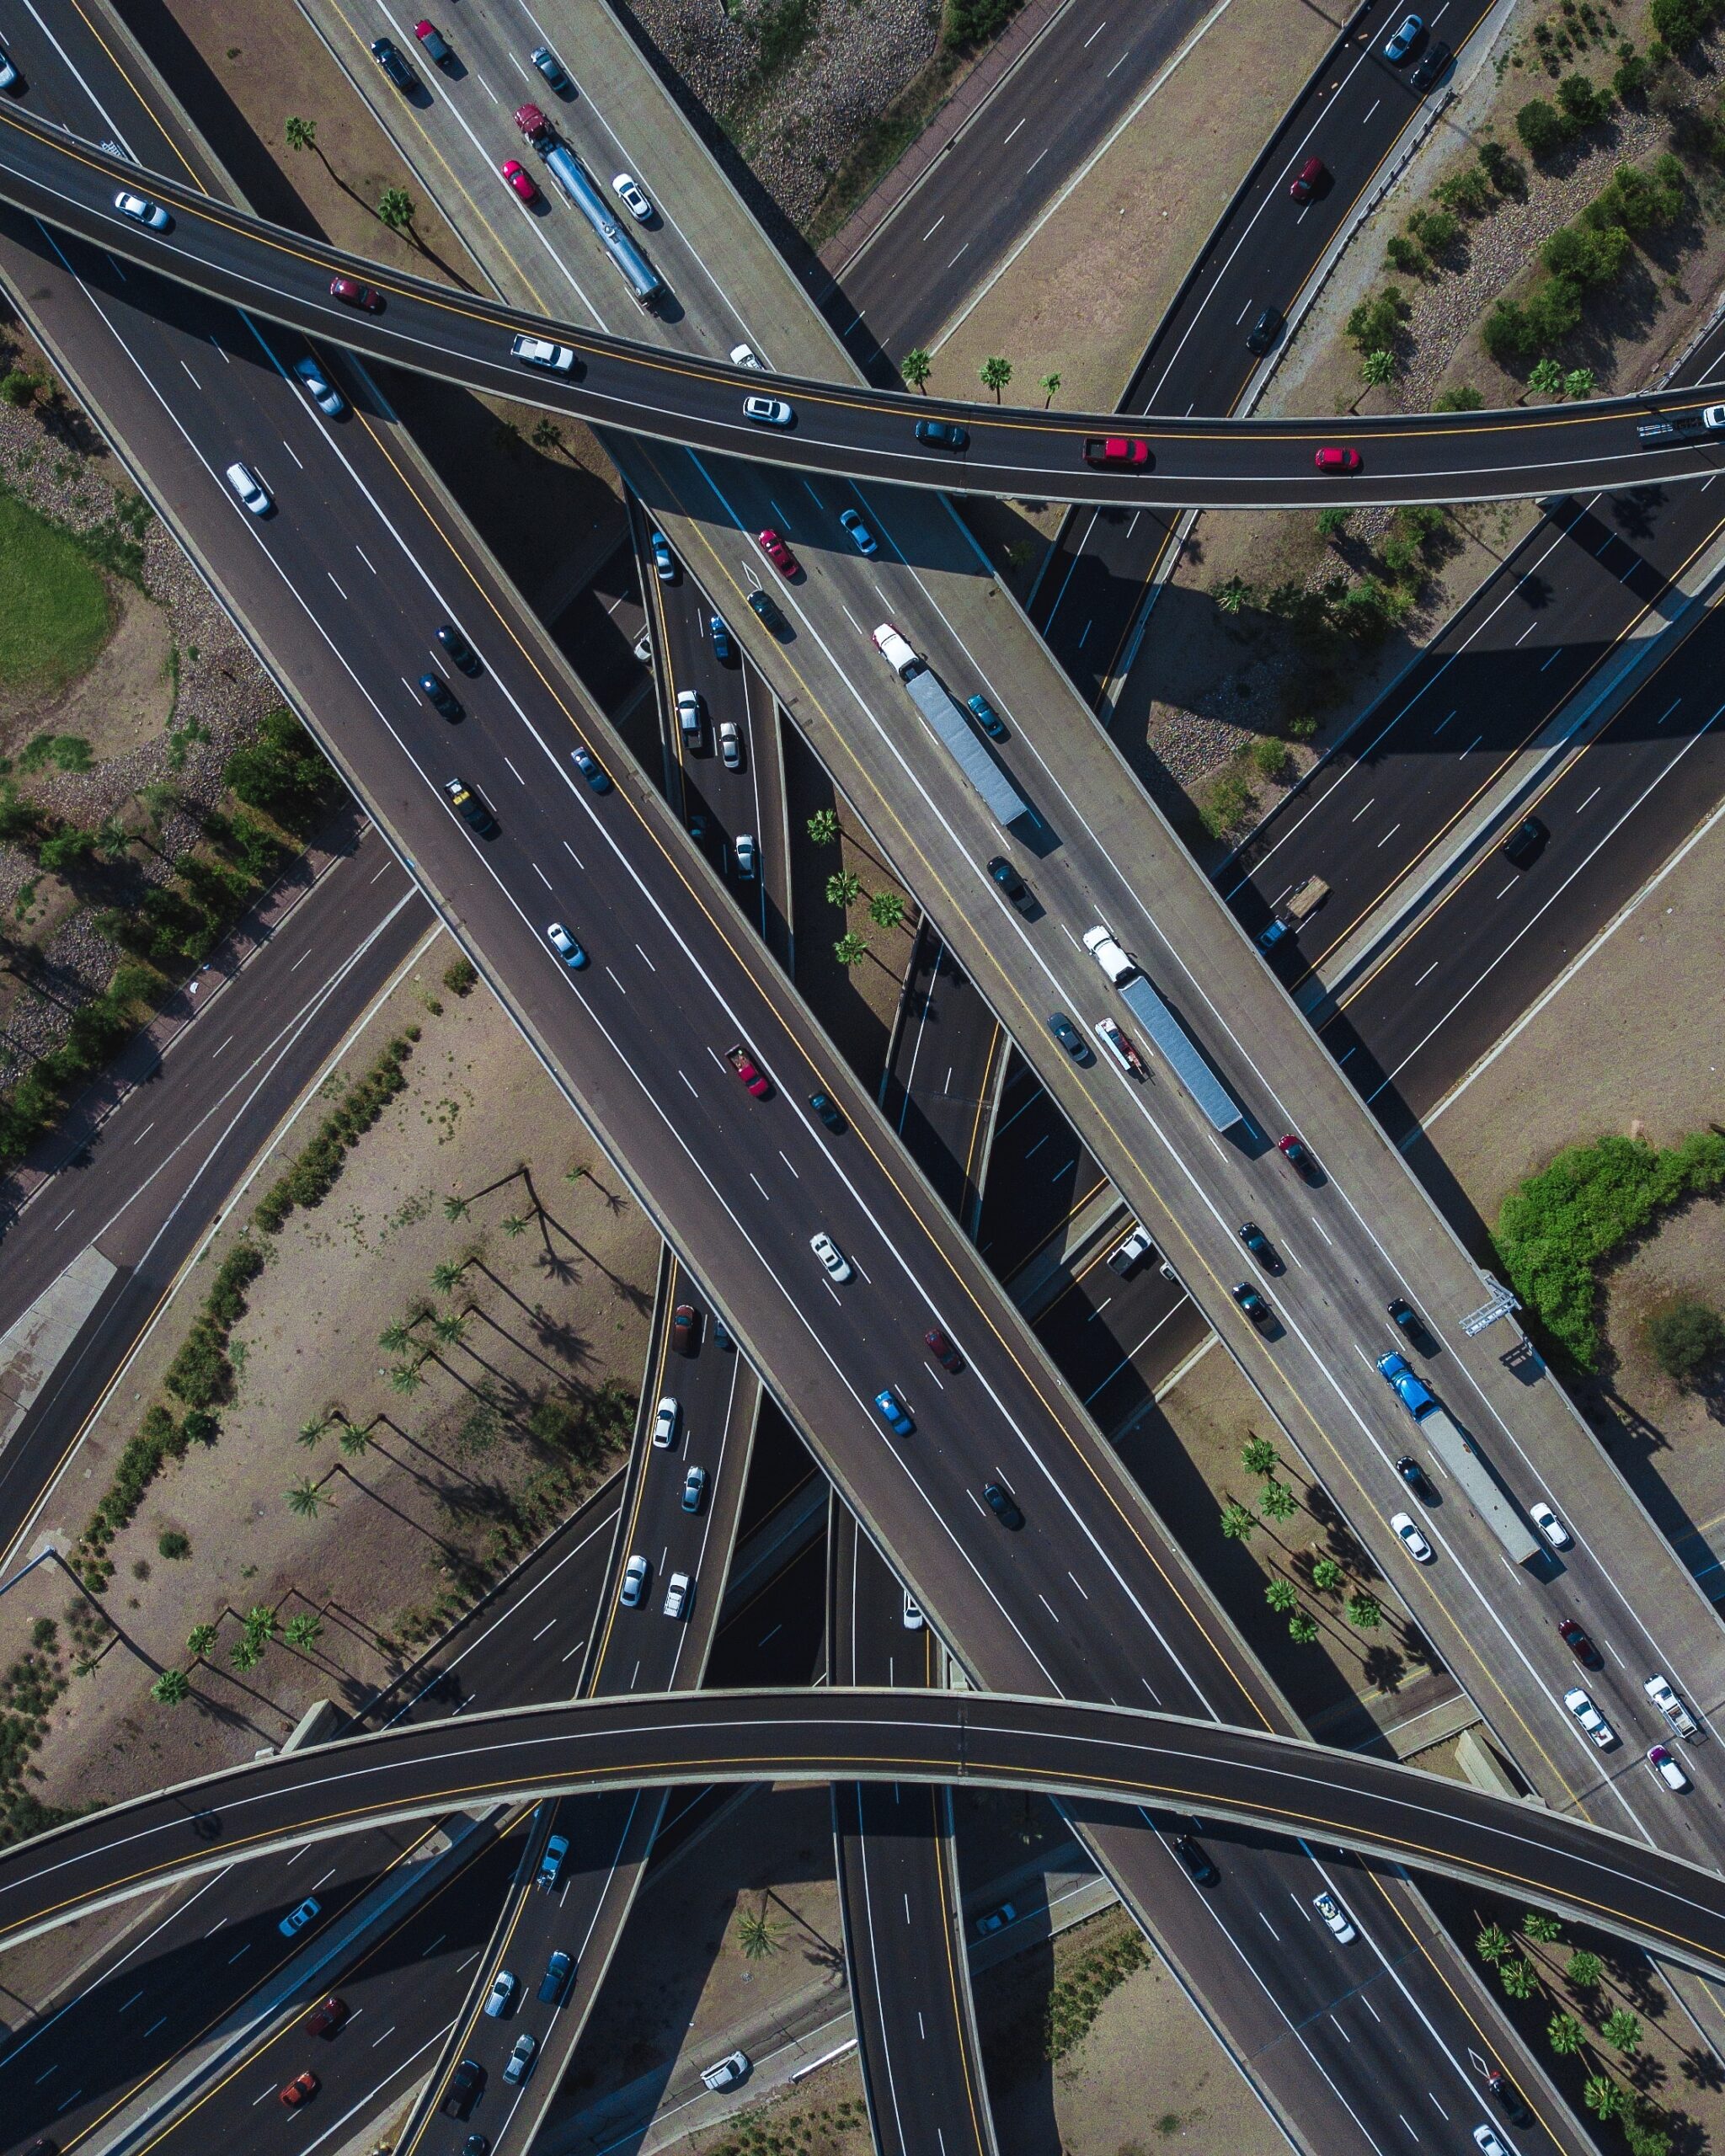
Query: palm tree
[450, 1331]
[1327, 1575]
[1236, 1523]
[547, 434]
[1281, 1596]
[455, 1208]
[1233, 594]
[395, 1336]
[353, 1440]
[1493, 1942]
[757, 1936]
[1049, 386]
[305, 1499]
[514, 1226]
[405, 1378]
[824, 827]
[171, 1687]
[1584, 1969]
[1579, 383]
[844, 889]
[261, 1622]
[1543, 1928]
[886, 908]
[850, 950]
[1365, 1611]
[1377, 369]
[1259, 1456]
[995, 373]
[1565, 2034]
[200, 1639]
[1518, 1978]
[1302, 1628]
[446, 1278]
[396, 209]
[312, 1431]
[303, 1631]
[1276, 1500]
[302, 133]
[1621, 2030]
[915, 367]
[1603, 2096]
[246, 1654]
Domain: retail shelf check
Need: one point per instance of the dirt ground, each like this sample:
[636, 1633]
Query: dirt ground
[241, 95]
[1083, 296]
[124, 699]
[444, 1472]
[1187, 1453]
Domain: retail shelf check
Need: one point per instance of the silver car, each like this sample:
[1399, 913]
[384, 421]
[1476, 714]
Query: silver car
[634, 1583]
[502, 1991]
[142, 211]
[319, 388]
[676, 1595]
[767, 411]
[245, 483]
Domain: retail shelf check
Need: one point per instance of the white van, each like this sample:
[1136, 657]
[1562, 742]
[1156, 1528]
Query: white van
[1108, 954]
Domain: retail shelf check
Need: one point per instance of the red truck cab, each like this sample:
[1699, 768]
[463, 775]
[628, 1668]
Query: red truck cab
[1116, 449]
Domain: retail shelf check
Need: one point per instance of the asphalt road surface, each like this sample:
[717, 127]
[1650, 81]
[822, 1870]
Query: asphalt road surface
[1197, 463]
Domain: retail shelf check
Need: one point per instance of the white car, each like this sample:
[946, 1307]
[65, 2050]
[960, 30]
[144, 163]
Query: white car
[9, 73]
[767, 411]
[1334, 1915]
[727, 2073]
[541, 352]
[1713, 415]
[1548, 1524]
[627, 191]
[743, 355]
[1487, 2143]
[634, 1584]
[830, 1256]
[319, 388]
[730, 745]
[143, 211]
[1666, 1767]
[913, 1614]
[567, 948]
[1591, 1720]
[748, 862]
[520, 2063]
[676, 1595]
[245, 485]
[1418, 1547]
[502, 1991]
[664, 1422]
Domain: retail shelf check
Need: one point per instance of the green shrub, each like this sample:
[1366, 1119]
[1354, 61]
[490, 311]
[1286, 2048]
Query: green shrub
[1542, 127]
[1679, 23]
[973, 22]
[1269, 757]
[1228, 800]
[172, 1543]
[1632, 76]
[1583, 106]
[1375, 324]
[1558, 1225]
[1459, 398]
[460, 974]
[283, 772]
[1586, 254]
[1501, 169]
[1436, 230]
[1406, 255]
[1685, 1338]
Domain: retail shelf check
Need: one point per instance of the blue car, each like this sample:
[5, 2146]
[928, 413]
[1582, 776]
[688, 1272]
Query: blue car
[862, 538]
[663, 559]
[987, 717]
[893, 1415]
[587, 763]
[723, 650]
[1408, 33]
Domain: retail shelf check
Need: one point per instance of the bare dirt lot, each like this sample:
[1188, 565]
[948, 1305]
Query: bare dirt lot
[427, 1464]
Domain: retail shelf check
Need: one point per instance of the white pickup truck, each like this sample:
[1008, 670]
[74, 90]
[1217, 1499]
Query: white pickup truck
[1659, 1690]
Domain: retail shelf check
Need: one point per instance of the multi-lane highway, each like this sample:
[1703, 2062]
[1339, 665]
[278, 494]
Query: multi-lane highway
[841, 431]
[1128, 1756]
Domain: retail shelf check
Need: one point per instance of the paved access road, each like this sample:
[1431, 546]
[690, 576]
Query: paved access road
[1192, 463]
[905, 1943]
[1126, 1756]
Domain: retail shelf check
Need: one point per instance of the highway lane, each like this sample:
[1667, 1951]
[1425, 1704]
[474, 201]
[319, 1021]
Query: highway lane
[85, 2056]
[1349, 114]
[937, 1091]
[839, 431]
[1349, 1244]
[714, 1398]
[1526, 646]
[1086, 1754]
[898, 1897]
[1053, 114]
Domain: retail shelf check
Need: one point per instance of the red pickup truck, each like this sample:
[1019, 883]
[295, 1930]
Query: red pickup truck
[1116, 449]
[531, 122]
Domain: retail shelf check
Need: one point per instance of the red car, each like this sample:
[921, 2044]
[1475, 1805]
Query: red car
[1116, 449]
[744, 1065]
[1305, 183]
[1339, 459]
[352, 293]
[328, 2017]
[519, 178]
[300, 2089]
[1294, 1151]
[776, 550]
[942, 1349]
[1578, 1642]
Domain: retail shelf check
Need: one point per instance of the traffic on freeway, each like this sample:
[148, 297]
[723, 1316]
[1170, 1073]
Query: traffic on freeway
[913, 441]
[1127, 1756]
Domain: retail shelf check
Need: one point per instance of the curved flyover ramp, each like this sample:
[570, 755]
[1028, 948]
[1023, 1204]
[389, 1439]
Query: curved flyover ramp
[437, 329]
[1113, 1754]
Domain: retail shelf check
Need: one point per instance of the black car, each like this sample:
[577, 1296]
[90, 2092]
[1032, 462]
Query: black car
[999, 1503]
[1430, 64]
[1249, 1300]
[770, 611]
[470, 807]
[1010, 881]
[823, 1106]
[1195, 1860]
[475, 2144]
[464, 2085]
[557, 1975]
[438, 695]
[1412, 1474]
[1259, 1244]
[1411, 1325]
[459, 649]
[1504, 2090]
[943, 434]
[1069, 1037]
[394, 66]
[1264, 333]
[1525, 843]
